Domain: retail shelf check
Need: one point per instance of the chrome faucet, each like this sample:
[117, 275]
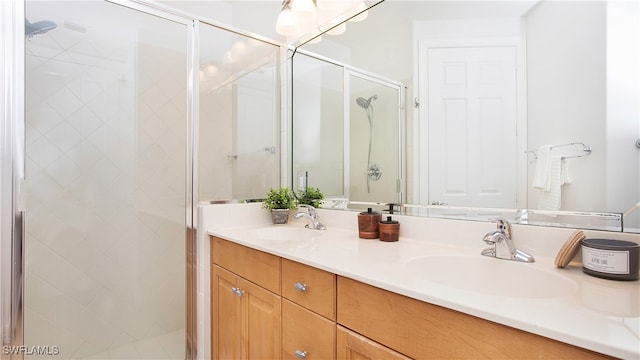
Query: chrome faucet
[312, 217]
[503, 247]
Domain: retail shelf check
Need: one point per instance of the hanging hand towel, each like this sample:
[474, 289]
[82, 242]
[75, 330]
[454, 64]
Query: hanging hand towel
[550, 200]
[542, 174]
[566, 173]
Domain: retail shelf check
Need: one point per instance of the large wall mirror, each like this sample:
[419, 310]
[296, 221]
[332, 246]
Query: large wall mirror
[524, 108]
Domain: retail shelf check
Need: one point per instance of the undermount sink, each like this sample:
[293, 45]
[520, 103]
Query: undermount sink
[492, 276]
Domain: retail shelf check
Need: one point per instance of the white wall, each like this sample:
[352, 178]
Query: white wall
[566, 78]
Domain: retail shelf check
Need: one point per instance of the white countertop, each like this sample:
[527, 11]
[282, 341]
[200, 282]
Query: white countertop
[562, 304]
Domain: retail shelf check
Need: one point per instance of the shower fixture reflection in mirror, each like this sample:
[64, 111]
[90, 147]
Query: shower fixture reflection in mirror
[348, 129]
[408, 40]
[374, 172]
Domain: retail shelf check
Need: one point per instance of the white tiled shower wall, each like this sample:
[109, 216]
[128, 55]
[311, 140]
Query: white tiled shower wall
[105, 209]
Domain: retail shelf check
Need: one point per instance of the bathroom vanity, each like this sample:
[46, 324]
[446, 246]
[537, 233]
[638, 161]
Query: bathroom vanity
[290, 292]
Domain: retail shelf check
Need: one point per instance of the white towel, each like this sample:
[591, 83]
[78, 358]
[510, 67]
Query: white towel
[542, 175]
[551, 199]
[566, 173]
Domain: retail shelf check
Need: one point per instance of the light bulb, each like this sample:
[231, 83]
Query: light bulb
[286, 24]
[211, 70]
[304, 12]
[328, 4]
[302, 7]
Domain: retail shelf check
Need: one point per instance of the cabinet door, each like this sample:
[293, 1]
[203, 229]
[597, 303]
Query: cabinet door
[306, 335]
[226, 326]
[261, 321]
[353, 346]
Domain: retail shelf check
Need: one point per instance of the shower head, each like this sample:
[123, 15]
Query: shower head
[365, 103]
[38, 27]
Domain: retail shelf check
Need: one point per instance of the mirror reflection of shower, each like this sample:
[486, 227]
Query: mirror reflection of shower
[373, 170]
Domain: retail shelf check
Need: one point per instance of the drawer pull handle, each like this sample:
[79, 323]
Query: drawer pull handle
[300, 287]
[301, 354]
[237, 291]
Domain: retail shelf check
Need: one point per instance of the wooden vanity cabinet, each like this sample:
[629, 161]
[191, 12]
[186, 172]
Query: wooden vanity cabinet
[306, 334]
[425, 331]
[267, 307]
[353, 346]
[245, 315]
[308, 312]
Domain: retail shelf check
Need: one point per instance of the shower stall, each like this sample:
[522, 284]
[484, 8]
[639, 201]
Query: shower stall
[123, 129]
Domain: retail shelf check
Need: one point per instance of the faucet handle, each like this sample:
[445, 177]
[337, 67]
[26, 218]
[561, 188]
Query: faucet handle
[502, 224]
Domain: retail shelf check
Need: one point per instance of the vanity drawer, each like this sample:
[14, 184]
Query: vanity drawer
[426, 331]
[307, 333]
[254, 265]
[312, 288]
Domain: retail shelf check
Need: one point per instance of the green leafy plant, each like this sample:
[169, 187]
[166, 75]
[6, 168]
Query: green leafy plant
[310, 196]
[281, 198]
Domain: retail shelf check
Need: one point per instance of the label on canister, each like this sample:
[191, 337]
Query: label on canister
[605, 261]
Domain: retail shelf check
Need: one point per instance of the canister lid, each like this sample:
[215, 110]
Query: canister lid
[369, 212]
[389, 221]
[609, 244]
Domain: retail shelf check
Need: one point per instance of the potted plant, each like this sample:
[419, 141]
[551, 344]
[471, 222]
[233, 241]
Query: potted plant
[279, 201]
[310, 196]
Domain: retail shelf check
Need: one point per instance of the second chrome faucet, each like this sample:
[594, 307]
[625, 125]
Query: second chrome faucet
[309, 212]
[502, 244]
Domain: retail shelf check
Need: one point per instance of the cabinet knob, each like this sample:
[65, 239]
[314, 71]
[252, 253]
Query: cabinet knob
[300, 287]
[237, 291]
[300, 354]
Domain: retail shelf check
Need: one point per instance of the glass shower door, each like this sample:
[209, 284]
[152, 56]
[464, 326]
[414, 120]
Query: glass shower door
[106, 177]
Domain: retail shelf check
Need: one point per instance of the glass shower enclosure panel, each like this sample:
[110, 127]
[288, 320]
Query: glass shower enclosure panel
[374, 140]
[106, 179]
[318, 126]
[239, 116]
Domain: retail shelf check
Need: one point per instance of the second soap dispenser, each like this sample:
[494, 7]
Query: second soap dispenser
[389, 230]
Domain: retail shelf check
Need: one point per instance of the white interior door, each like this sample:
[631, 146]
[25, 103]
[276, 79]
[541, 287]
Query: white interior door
[472, 114]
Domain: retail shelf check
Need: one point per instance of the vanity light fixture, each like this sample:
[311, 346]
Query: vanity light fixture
[298, 17]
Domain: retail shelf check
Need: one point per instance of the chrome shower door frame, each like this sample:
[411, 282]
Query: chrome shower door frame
[12, 165]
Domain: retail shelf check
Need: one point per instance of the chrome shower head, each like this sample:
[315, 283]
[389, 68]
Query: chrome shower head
[38, 27]
[365, 103]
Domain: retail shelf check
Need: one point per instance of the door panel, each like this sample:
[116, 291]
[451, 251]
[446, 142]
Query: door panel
[472, 113]
[106, 179]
